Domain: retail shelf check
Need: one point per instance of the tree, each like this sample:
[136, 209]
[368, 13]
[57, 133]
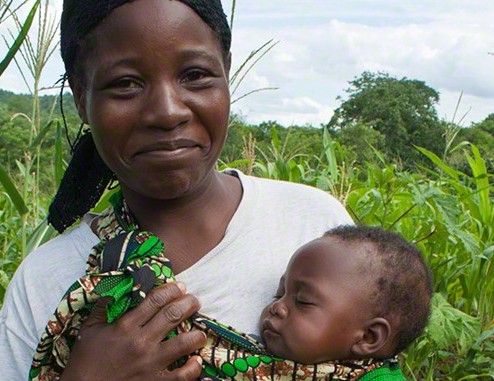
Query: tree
[359, 141]
[486, 125]
[401, 110]
[482, 135]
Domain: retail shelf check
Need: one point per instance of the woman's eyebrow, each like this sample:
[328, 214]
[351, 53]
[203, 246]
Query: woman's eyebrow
[109, 65]
[200, 53]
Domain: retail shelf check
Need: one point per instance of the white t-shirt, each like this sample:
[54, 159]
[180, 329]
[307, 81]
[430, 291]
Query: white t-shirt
[234, 281]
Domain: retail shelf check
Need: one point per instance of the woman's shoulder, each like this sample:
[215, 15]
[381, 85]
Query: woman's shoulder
[266, 185]
[293, 200]
[42, 279]
[289, 190]
[45, 274]
[71, 246]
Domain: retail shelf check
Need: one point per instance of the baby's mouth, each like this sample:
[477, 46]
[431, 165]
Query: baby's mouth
[269, 329]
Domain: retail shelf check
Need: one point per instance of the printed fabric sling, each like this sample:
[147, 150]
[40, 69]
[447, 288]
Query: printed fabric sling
[125, 266]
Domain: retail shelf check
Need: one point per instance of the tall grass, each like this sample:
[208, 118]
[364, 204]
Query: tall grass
[450, 216]
[22, 206]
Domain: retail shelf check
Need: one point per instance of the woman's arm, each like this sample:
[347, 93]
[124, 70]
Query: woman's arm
[134, 347]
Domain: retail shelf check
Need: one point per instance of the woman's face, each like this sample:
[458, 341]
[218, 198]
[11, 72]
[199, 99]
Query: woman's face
[154, 89]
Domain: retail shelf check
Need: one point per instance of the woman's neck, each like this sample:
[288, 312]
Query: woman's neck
[192, 225]
[151, 213]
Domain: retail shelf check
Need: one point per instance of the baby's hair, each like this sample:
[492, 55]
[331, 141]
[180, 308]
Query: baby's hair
[403, 282]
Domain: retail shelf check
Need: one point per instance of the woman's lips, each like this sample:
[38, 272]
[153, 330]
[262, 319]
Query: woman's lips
[168, 150]
[168, 146]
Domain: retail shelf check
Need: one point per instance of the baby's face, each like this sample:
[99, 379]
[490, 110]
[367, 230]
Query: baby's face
[321, 305]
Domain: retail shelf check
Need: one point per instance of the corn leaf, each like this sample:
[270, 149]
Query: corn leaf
[20, 38]
[39, 138]
[14, 195]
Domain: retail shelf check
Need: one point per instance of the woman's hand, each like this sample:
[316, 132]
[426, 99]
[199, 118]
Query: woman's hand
[132, 348]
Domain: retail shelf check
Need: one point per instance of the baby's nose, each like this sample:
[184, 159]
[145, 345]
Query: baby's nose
[279, 309]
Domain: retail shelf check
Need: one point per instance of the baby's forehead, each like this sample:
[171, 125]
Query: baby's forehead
[330, 256]
[333, 250]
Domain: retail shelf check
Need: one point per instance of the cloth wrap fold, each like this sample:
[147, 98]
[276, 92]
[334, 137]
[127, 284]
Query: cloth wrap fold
[125, 266]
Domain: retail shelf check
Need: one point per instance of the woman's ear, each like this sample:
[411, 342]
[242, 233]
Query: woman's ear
[79, 98]
[376, 338]
[228, 65]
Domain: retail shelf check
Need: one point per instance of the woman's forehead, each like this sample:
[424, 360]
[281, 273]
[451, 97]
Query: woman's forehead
[149, 36]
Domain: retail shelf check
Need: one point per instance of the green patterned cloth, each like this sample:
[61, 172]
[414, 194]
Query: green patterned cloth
[125, 266]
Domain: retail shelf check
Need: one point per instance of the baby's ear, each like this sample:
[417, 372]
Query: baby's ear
[376, 335]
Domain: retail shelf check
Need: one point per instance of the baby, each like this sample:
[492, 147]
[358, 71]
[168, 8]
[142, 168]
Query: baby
[347, 303]
[356, 292]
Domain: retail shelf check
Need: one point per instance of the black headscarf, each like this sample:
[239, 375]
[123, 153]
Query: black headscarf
[79, 17]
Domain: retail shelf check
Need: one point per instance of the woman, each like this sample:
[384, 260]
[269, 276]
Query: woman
[150, 78]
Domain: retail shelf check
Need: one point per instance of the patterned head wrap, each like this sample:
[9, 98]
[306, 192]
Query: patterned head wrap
[79, 17]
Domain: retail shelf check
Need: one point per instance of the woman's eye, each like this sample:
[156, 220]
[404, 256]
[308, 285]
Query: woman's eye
[126, 83]
[195, 76]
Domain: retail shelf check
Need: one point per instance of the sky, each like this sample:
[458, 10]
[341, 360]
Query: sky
[321, 45]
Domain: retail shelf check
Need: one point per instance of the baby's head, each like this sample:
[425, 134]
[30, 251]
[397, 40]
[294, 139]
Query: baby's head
[356, 292]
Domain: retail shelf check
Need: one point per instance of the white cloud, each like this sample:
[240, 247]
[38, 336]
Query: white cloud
[445, 44]
[325, 44]
[287, 111]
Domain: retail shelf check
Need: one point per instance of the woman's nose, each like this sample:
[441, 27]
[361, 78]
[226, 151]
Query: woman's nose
[278, 308]
[165, 107]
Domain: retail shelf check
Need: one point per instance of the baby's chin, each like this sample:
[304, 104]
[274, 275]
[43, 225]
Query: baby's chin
[277, 349]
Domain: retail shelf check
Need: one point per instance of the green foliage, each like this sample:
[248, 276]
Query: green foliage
[17, 138]
[27, 178]
[11, 190]
[5, 180]
[449, 326]
[360, 141]
[482, 135]
[297, 141]
[402, 111]
[449, 214]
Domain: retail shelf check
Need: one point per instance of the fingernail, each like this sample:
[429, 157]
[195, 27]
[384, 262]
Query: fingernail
[199, 360]
[181, 286]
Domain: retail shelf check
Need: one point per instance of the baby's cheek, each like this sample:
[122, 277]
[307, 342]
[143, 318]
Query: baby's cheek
[264, 315]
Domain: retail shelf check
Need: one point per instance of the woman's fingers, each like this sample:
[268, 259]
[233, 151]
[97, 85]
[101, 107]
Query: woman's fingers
[171, 315]
[181, 346]
[191, 370]
[98, 313]
[155, 300]
[134, 346]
